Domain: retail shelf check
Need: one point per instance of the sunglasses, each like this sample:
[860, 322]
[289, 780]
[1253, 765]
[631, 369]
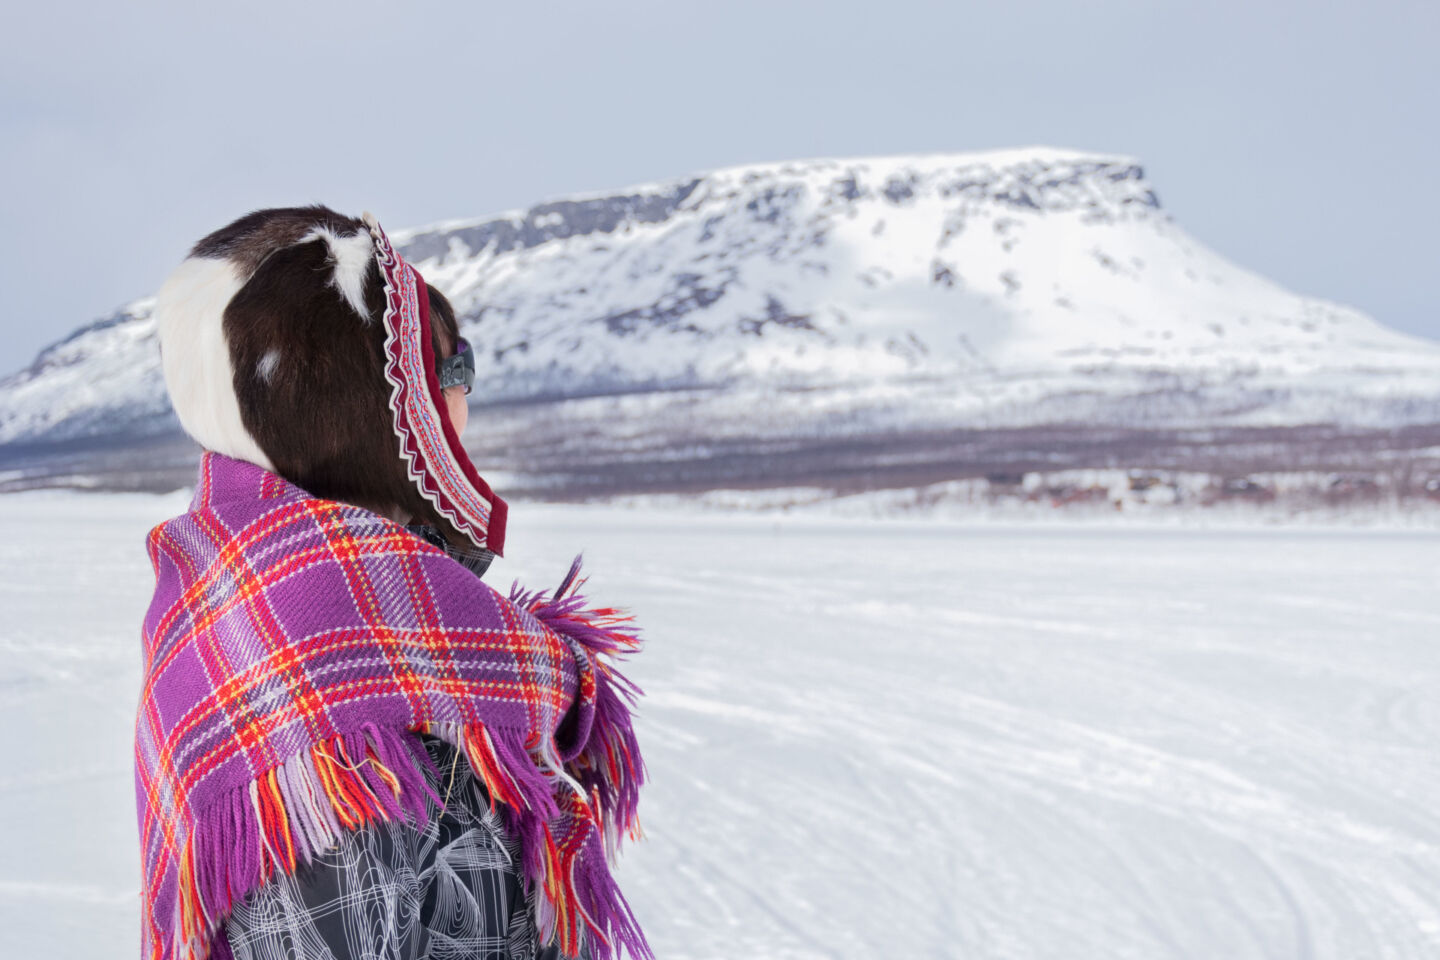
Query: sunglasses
[458, 369]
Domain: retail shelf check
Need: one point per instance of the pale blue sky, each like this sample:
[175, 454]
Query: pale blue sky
[1297, 139]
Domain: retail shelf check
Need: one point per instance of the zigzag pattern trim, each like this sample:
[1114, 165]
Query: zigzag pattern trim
[436, 460]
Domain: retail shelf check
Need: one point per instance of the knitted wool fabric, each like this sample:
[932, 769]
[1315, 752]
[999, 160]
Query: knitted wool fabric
[293, 648]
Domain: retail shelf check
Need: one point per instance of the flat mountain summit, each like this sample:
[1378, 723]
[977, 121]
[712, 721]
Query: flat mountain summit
[1021, 263]
[773, 311]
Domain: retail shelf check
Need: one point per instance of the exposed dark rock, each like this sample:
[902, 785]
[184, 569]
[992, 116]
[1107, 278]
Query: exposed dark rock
[551, 221]
[777, 314]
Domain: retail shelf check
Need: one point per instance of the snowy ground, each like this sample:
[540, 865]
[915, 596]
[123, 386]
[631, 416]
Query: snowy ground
[878, 738]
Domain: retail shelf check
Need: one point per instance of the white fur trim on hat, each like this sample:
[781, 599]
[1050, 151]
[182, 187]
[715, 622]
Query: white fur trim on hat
[195, 356]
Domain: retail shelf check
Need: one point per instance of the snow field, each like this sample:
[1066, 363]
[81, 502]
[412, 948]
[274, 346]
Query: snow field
[877, 738]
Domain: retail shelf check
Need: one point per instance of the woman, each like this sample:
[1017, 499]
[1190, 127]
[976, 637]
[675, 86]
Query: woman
[348, 745]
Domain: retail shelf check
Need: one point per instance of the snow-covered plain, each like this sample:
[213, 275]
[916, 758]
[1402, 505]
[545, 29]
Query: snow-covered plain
[877, 738]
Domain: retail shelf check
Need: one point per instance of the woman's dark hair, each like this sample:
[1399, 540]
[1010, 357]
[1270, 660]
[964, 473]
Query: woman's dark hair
[309, 365]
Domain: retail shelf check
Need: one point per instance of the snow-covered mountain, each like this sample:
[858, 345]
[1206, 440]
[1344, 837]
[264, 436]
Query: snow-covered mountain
[988, 272]
[104, 376]
[1002, 289]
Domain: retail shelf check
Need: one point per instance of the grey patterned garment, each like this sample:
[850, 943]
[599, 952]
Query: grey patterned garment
[392, 891]
[475, 559]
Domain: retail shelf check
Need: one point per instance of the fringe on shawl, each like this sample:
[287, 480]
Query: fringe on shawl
[602, 766]
[306, 805]
[288, 815]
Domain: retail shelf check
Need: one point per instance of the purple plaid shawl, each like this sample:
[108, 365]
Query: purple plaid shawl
[293, 647]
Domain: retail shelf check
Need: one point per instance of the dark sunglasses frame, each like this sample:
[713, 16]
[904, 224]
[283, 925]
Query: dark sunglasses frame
[459, 368]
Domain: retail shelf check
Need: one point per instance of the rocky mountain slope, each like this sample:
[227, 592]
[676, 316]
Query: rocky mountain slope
[889, 305]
